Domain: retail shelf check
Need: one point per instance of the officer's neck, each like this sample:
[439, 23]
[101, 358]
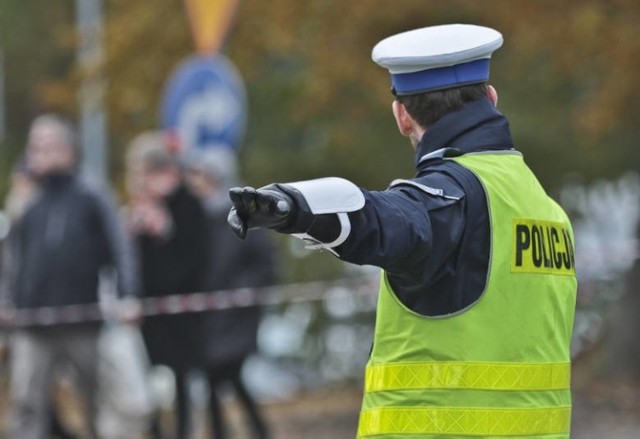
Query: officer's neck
[416, 136]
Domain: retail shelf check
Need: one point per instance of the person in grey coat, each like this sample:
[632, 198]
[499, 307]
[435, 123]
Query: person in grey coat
[230, 336]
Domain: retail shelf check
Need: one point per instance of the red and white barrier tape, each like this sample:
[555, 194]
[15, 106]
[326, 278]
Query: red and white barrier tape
[200, 302]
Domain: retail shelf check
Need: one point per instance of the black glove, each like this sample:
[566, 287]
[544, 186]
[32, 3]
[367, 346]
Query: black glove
[268, 207]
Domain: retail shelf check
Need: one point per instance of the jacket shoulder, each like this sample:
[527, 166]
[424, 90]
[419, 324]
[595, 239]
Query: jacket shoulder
[434, 182]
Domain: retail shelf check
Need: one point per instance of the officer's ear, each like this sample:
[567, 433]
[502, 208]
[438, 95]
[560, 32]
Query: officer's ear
[403, 119]
[492, 94]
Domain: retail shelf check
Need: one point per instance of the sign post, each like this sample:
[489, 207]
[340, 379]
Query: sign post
[2, 103]
[93, 116]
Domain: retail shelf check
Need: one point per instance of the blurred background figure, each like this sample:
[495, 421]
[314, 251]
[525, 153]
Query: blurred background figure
[229, 336]
[170, 229]
[22, 189]
[68, 232]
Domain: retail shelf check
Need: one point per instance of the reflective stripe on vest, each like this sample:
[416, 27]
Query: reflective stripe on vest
[462, 375]
[465, 421]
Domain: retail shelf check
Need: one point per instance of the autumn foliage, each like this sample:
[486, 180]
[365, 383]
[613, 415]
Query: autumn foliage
[318, 104]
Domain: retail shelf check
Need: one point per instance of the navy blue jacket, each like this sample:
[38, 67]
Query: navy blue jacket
[434, 248]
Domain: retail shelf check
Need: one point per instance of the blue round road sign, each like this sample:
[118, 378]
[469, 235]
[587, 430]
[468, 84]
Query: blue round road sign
[205, 104]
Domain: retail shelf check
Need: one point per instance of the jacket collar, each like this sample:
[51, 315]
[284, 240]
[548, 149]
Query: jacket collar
[477, 126]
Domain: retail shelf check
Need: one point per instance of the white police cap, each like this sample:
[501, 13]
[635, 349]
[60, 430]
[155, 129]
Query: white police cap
[437, 57]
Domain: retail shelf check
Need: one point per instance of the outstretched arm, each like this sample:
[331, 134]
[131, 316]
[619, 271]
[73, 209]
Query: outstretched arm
[390, 229]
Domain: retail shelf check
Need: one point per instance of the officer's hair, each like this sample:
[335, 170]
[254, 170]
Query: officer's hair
[427, 108]
[65, 129]
[152, 151]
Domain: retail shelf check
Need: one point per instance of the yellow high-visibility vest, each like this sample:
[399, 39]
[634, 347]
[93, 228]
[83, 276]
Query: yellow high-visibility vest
[501, 367]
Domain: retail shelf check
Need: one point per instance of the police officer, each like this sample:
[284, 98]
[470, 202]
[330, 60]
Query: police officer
[478, 284]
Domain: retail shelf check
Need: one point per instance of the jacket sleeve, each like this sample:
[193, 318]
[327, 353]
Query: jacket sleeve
[8, 267]
[188, 249]
[120, 246]
[405, 231]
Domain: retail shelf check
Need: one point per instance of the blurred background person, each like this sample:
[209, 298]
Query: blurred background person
[22, 189]
[229, 336]
[68, 233]
[170, 229]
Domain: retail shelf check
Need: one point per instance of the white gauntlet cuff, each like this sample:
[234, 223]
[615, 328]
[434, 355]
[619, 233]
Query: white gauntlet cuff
[326, 196]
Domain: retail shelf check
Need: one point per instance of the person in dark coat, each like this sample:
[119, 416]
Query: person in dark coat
[229, 336]
[22, 191]
[170, 229]
[67, 232]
